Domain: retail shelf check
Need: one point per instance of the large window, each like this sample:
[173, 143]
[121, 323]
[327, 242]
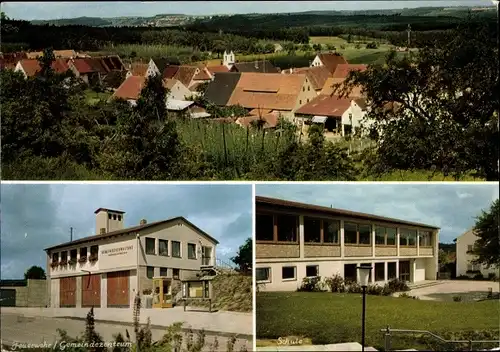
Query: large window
[287, 228]
[64, 257]
[176, 273]
[408, 238]
[263, 274]
[72, 256]
[83, 253]
[55, 257]
[150, 246]
[357, 233]
[176, 249]
[391, 270]
[163, 271]
[379, 272]
[94, 253]
[191, 251]
[264, 227]
[288, 273]
[312, 270]
[150, 272]
[163, 247]
[331, 229]
[350, 273]
[385, 236]
[312, 230]
[425, 238]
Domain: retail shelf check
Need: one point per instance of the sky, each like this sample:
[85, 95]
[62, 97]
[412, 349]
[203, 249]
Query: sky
[37, 216]
[57, 10]
[452, 207]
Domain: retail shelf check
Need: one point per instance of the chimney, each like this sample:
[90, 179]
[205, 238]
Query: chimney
[143, 222]
[108, 220]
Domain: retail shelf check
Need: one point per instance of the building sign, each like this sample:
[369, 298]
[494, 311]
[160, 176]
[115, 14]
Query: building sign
[117, 251]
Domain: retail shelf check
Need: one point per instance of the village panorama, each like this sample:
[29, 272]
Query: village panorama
[373, 95]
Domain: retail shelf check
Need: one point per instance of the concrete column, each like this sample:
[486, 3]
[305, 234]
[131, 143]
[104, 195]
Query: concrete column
[301, 237]
[373, 273]
[373, 240]
[385, 271]
[104, 290]
[397, 263]
[435, 252]
[342, 238]
[413, 269]
[418, 243]
[79, 291]
[397, 244]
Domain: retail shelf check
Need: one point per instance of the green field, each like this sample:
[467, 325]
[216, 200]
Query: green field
[335, 318]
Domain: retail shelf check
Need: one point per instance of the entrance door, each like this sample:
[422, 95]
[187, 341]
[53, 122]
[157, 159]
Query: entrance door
[206, 257]
[91, 290]
[118, 289]
[67, 292]
[404, 270]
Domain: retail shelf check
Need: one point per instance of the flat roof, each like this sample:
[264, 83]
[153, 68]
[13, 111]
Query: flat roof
[128, 230]
[110, 210]
[333, 211]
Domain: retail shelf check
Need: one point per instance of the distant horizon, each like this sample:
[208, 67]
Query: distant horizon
[66, 10]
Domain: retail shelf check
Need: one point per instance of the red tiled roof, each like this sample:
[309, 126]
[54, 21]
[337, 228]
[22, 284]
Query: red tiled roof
[317, 75]
[331, 60]
[138, 69]
[270, 120]
[324, 105]
[274, 91]
[170, 71]
[203, 75]
[130, 88]
[89, 65]
[185, 74]
[343, 70]
[259, 112]
[328, 90]
[218, 68]
[32, 66]
[10, 60]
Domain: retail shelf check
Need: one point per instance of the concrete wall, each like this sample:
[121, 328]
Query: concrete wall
[32, 295]
[463, 243]
[419, 274]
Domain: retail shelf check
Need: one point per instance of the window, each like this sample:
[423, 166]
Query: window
[83, 252]
[385, 236]
[119, 218]
[364, 234]
[300, 101]
[424, 239]
[150, 272]
[312, 230]
[312, 270]
[350, 273]
[357, 233]
[94, 253]
[308, 100]
[64, 257]
[303, 89]
[114, 216]
[469, 248]
[72, 255]
[407, 237]
[191, 251]
[264, 227]
[55, 257]
[163, 271]
[287, 228]
[308, 89]
[263, 274]
[391, 236]
[331, 230]
[175, 273]
[350, 233]
[379, 272]
[150, 246]
[163, 247]
[176, 249]
[110, 217]
[391, 270]
[380, 235]
[288, 273]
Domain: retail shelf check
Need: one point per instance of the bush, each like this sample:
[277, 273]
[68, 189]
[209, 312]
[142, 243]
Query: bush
[335, 283]
[396, 285]
[311, 284]
[478, 277]
[462, 277]
[375, 290]
[492, 277]
[372, 45]
[406, 295]
[353, 287]
[457, 298]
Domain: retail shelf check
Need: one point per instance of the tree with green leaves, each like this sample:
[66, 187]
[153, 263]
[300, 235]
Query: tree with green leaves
[436, 109]
[486, 228]
[35, 273]
[244, 257]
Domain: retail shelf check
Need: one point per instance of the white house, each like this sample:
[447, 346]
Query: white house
[228, 59]
[464, 244]
[295, 240]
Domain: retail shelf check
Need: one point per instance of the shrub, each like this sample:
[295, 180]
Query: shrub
[457, 298]
[478, 277]
[462, 277]
[375, 290]
[406, 295]
[396, 285]
[492, 277]
[311, 284]
[372, 45]
[147, 291]
[335, 283]
[353, 287]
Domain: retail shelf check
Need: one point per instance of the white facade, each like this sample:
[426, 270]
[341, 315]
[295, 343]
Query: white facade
[281, 266]
[228, 59]
[354, 117]
[19, 68]
[316, 62]
[152, 69]
[465, 243]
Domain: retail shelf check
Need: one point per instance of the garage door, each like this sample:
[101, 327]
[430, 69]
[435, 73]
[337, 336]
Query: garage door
[118, 289]
[91, 290]
[67, 292]
[7, 297]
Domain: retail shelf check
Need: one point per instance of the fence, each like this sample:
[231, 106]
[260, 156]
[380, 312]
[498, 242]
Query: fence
[443, 344]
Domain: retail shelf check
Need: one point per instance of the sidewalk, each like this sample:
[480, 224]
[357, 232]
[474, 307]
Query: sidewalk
[221, 323]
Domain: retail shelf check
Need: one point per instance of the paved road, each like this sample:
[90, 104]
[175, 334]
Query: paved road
[454, 286]
[36, 330]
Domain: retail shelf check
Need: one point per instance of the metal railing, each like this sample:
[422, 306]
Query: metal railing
[388, 338]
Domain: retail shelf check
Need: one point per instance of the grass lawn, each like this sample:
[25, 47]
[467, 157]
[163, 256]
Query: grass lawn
[94, 97]
[335, 318]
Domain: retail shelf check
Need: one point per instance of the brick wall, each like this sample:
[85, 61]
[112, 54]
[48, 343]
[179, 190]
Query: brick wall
[277, 250]
[314, 250]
